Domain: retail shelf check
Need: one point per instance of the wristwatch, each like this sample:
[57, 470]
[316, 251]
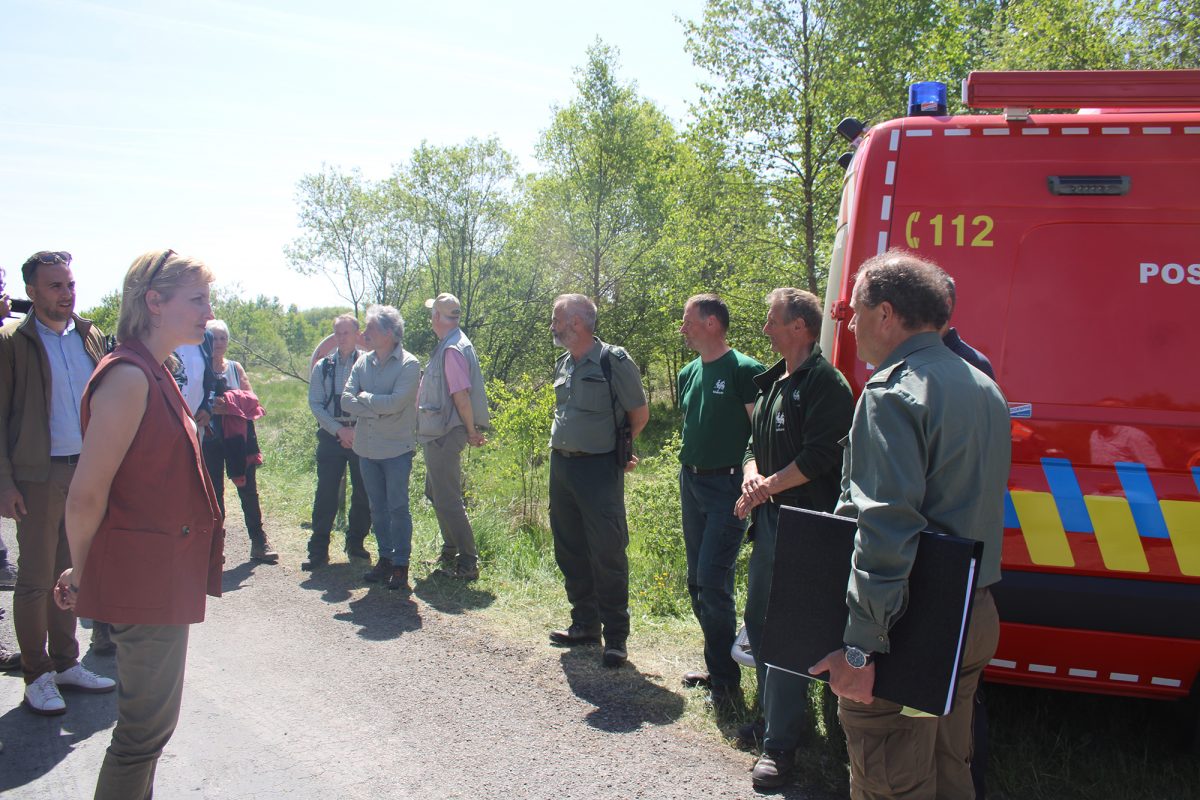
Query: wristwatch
[856, 657]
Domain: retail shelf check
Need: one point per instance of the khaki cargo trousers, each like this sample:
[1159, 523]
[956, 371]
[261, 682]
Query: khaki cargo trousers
[921, 758]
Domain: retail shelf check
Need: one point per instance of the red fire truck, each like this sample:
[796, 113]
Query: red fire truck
[1074, 241]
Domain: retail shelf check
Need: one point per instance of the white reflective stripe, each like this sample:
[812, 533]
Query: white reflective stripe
[957, 131]
[1075, 131]
[1081, 673]
[890, 177]
[919, 132]
[894, 144]
[1156, 131]
[1045, 668]
[882, 243]
[1174, 683]
[1035, 131]
[887, 208]
[1191, 129]
[1115, 131]
[995, 131]
[1124, 677]
[1004, 663]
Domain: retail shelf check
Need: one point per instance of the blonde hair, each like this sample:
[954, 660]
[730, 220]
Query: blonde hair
[165, 271]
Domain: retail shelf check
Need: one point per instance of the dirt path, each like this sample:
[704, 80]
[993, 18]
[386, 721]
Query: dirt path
[302, 687]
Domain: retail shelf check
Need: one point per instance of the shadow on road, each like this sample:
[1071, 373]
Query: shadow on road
[33, 745]
[336, 581]
[451, 596]
[624, 698]
[233, 578]
[381, 615]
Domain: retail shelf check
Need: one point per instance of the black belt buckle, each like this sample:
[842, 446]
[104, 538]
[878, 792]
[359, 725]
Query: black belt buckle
[65, 459]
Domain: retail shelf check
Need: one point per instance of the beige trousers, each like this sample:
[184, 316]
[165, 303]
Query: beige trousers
[921, 758]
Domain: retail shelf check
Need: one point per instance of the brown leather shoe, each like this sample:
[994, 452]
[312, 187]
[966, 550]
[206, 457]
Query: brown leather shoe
[261, 550]
[399, 579]
[576, 634]
[696, 677]
[773, 768]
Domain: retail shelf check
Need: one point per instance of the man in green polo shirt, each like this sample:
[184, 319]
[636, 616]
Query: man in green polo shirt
[803, 410]
[597, 387]
[716, 395]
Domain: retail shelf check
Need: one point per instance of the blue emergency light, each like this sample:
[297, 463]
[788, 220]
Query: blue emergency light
[927, 99]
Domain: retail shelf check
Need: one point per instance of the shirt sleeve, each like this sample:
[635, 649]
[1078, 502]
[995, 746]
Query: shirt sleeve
[829, 412]
[747, 389]
[887, 487]
[317, 400]
[627, 383]
[458, 376]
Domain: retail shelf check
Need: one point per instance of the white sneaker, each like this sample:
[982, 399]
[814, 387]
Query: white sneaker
[42, 697]
[84, 680]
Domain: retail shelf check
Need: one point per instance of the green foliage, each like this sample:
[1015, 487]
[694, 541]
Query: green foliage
[106, 314]
[658, 567]
[521, 421]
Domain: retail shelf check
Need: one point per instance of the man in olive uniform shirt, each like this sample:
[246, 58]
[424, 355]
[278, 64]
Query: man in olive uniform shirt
[587, 485]
[803, 410]
[716, 395]
[929, 448]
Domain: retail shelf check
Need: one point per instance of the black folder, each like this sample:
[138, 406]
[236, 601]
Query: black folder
[806, 611]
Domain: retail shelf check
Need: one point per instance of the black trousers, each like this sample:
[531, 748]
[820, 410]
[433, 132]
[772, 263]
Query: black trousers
[214, 461]
[587, 520]
[332, 461]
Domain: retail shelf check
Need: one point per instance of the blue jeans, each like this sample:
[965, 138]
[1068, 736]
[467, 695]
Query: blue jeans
[712, 536]
[386, 480]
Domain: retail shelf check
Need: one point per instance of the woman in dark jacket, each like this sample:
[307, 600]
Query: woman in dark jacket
[142, 520]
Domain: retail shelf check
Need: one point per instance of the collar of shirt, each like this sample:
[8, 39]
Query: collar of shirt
[45, 330]
[918, 341]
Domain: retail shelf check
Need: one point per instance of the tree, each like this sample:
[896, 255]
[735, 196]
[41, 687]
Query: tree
[336, 216]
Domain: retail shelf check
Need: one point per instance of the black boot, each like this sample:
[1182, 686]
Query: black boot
[380, 572]
[400, 579]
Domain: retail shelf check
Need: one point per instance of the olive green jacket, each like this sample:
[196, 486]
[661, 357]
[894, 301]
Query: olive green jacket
[929, 449]
[25, 398]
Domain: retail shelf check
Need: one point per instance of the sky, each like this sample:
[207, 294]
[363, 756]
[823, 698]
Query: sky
[135, 126]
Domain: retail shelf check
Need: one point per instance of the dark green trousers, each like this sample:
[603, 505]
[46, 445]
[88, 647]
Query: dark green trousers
[782, 696]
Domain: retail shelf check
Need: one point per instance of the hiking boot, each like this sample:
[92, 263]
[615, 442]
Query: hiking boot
[9, 660]
[696, 677]
[576, 634]
[773, 768]
[380, 573]
[261, 550]
[460, 572]
[446, 560]
[42, 696]
[614, 654]
[356, 550]
[314, 563]
[399, 579]
[102, 643]
[82, 679]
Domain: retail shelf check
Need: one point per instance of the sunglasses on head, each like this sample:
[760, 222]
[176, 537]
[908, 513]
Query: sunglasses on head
[50, 257]
[158, 267]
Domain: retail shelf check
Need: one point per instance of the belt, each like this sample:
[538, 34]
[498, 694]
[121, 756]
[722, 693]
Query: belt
[346, 423]
[714, 471]
[578, 453]
[65, 459]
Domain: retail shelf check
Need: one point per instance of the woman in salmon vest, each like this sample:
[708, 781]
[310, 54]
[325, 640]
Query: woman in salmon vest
[142, 520]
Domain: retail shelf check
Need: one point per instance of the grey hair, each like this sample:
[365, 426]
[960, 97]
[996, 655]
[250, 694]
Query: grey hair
[579, 306]
[217, 325]
[388, 319]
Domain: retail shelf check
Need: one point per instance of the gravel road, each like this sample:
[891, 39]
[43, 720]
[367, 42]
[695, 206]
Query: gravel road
[305, 687]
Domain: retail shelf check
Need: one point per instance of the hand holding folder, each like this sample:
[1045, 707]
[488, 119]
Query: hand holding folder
[806, 612]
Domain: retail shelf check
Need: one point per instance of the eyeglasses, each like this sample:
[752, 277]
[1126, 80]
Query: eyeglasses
[158, 267]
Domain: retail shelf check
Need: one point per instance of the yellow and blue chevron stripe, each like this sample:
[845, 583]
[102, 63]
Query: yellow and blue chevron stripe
[1119, 524]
